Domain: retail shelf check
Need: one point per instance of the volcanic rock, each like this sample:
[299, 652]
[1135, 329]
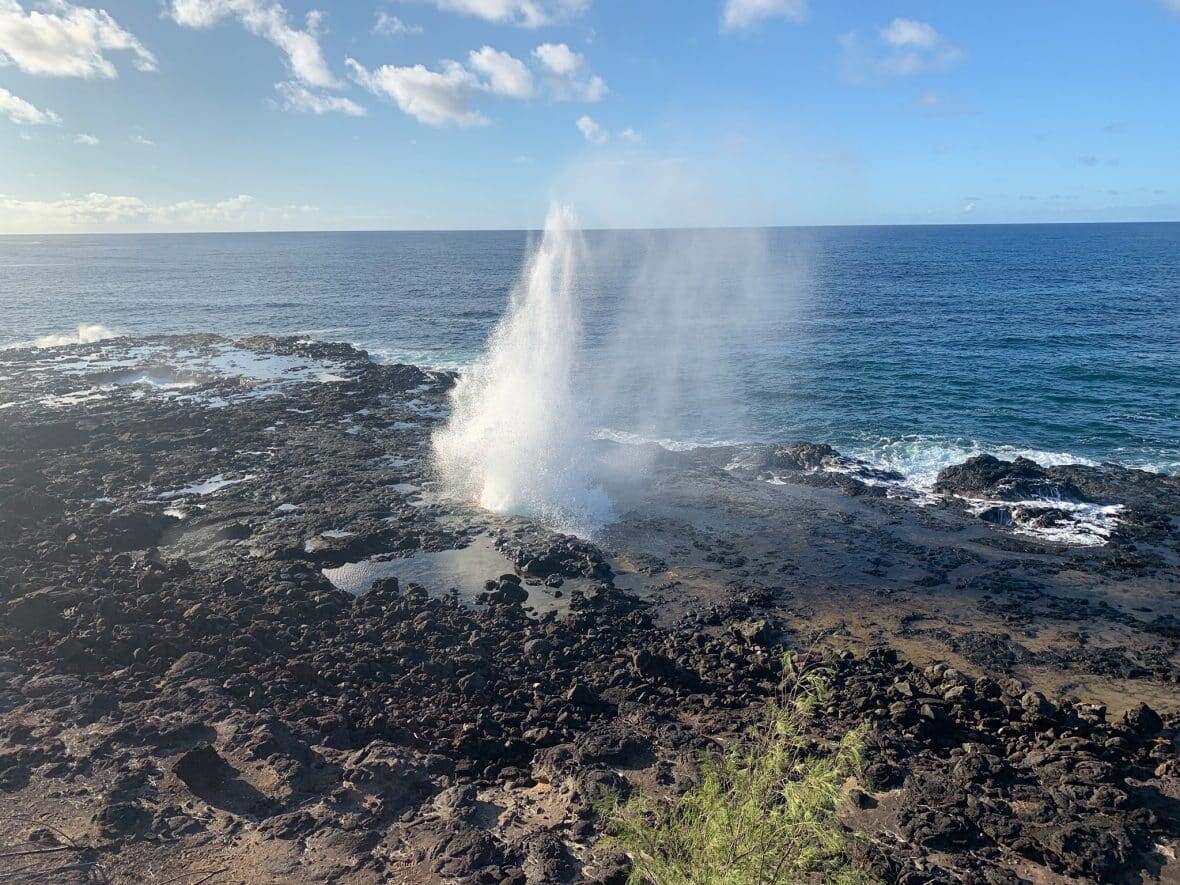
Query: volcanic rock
[201, 768]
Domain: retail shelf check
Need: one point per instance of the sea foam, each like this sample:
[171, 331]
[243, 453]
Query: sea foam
[86, 333]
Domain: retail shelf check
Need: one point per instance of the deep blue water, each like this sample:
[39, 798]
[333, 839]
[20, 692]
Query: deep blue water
[912, 345]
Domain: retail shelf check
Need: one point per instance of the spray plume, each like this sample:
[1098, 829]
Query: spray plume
[516, 442]
[635, 335]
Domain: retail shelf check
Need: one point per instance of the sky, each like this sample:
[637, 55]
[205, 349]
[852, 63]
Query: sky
[176, 115]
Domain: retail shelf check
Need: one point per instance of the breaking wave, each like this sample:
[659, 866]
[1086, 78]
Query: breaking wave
[86, 333]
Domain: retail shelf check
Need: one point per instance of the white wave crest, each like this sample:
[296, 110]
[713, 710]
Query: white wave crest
[86, 333]
[920, 458]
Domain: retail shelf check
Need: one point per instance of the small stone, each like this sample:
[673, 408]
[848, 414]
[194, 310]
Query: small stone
[580, 695]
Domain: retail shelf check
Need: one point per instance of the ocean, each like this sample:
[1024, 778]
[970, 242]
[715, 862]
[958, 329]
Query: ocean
[911, 347]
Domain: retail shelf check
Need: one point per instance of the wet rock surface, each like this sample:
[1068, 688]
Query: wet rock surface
[185, 693]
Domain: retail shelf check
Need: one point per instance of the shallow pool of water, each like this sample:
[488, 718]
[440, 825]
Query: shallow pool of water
[442, 571]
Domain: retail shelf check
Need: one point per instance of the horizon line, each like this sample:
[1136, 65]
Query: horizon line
[467, 230]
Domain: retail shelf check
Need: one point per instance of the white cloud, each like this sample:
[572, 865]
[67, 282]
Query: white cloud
[146, 142]
[97, 209]
[905, 32]
[267, 19]
[591, 131]
[64, 40]
[506, 75]
[199, 213]
[1172, 6]
[436, 98]
[969, 207]
[565, 73]
[525, 13]
[86, 139]
[558, 58]
[741, 14]
[297, 97]
[903, 48]
[391, 25]
[595, 133]
[444, 97]
[23, 113]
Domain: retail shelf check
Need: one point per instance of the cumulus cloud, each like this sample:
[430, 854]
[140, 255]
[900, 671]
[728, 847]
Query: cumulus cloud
[524, 13]
[903, 48]
[436, 98]
[142, 140]
[24, 113]
[506, 75]
[98, 209]
[566, 73]
[86, 139]
[906, 32]
[444, 97]
[591, 131]
[63, 40]
[558, 58]
[267, 19]
[297, 97]
[741, 14]
[391, 25]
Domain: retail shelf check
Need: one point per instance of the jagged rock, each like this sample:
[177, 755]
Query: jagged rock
[803, 456]
[192, 665]
[985, 476]
[201, 768]
[1143, 720]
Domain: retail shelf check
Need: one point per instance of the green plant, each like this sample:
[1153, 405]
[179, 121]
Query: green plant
[764, 812]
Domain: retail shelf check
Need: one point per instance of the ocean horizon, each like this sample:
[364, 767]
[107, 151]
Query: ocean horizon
[588, 229]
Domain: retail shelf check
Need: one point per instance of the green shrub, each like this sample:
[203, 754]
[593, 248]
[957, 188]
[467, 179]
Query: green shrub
[764, 812]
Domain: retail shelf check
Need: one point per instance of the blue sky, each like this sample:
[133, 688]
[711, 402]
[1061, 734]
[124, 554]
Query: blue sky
[374, 114]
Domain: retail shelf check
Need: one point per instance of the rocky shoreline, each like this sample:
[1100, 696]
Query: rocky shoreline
[191, 693]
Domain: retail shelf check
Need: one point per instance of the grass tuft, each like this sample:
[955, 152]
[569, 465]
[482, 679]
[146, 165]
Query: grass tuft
[764, 812]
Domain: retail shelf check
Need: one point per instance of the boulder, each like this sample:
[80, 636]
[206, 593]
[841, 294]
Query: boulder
[34, 611]
[192, 665]
[986, 476]
[1143, 720]
[803, 456]
[201, 768]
